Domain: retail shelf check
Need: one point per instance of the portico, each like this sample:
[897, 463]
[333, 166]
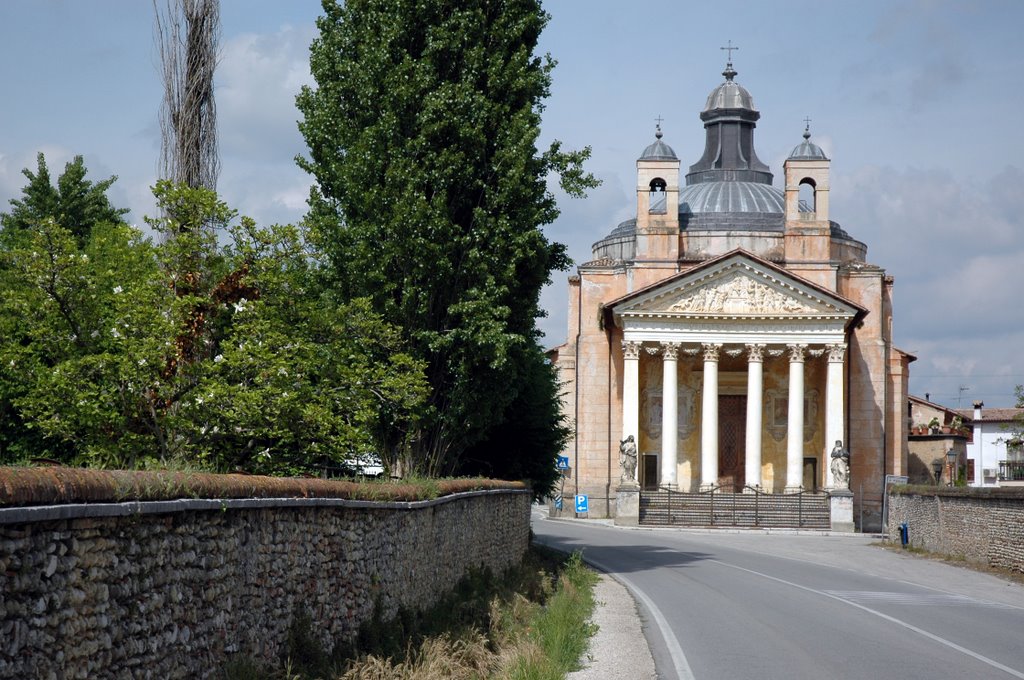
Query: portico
[695, 351]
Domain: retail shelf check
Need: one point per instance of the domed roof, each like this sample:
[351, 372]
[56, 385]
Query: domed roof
[730, 94]
[807, 150]
[659, 150]
[732, 197]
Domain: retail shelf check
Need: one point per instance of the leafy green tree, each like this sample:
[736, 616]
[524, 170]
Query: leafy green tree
[123, 353]
[526, 443]
[422, 134]
[75, 202]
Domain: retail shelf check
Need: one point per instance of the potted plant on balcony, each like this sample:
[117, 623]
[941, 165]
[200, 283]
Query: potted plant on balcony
[933, 425]
[957, 426]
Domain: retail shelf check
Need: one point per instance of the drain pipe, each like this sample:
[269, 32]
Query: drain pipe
[576, 391]
[608, 485]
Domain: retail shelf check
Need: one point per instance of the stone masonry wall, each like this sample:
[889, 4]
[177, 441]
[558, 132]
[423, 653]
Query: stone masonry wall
[171, 589]
[984, 526]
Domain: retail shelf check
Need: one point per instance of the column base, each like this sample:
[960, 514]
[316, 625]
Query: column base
[841, 506]
[627, 505]
[793, 489]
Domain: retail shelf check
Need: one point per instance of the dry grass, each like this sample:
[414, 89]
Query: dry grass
[525, 640]
[528, 624]
[58, 484]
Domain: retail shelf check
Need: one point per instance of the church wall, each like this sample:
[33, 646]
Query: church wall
[650, 274]
[599, 380]
[815, 444]
[868, 388]
[848, 251]
[599, 421]
[899, 385]
[702, 245]
[773, 437]
[823, 275]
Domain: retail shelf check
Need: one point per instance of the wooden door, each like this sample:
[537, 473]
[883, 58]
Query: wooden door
[732, 440]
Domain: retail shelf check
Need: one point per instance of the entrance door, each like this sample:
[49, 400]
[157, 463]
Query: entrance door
[732, 439]
[810, 480]
[649, 472]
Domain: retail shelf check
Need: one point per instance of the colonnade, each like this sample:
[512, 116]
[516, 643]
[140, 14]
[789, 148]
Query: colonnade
[755, 353]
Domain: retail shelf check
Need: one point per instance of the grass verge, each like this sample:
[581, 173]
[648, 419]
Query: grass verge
[531, 623]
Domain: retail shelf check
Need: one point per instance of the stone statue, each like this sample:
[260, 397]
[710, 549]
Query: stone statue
[840, 465]
[627, 459]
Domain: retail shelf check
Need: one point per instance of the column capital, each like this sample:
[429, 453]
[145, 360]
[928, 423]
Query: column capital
[711, 350]
[755, 353]
[631, 349]
[670, 350]
[796, 353]
[836, 353]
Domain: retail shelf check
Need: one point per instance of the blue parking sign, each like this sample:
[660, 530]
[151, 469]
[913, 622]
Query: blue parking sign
[582, 504]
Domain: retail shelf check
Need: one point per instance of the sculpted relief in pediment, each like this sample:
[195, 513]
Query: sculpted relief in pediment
[738, 293]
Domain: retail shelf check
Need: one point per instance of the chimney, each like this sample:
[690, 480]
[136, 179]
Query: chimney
[977, 410]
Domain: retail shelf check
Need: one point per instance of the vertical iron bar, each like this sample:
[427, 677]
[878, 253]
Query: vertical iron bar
[757, 507]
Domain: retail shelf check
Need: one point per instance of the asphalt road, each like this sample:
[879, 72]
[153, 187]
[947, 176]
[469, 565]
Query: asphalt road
[731, 606]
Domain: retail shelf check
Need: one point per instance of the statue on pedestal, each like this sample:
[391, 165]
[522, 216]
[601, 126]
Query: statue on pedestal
[627, 459]
[840, 465]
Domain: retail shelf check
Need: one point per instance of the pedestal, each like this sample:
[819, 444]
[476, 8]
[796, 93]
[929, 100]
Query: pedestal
[841, 506]
[627, 505]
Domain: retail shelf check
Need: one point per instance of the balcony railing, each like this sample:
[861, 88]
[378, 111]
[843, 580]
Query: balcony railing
[1011, 471]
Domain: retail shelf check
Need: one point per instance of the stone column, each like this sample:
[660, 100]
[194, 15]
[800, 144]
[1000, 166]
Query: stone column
[631, 392]
[755, 402]
[795, 425]
[669, 413]
[834, 407]
[709, 418]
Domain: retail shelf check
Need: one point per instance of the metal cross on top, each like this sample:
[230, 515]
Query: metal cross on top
[658, 120]
[729, 49]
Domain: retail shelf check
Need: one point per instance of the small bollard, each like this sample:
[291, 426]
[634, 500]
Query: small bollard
[904, 534]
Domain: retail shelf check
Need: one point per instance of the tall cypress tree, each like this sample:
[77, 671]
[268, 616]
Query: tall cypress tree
[422, 133]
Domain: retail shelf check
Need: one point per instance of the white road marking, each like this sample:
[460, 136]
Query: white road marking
[674, 649]
[891, 619]
[916, 599]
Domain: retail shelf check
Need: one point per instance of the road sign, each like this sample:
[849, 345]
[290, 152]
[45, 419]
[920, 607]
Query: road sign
[582, 505]
[558, 502]
[563, 463]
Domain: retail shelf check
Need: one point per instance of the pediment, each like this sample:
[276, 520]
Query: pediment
[738, 288]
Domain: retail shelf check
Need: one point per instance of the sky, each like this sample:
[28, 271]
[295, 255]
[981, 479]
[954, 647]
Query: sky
[917, 102]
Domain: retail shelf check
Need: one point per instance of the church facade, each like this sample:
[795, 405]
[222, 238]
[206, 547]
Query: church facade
[734, 331]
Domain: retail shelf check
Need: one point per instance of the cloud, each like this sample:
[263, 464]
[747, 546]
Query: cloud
[257, 80]
[955, 248]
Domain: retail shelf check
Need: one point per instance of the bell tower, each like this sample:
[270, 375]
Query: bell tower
[657, 205]
[808, 231]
